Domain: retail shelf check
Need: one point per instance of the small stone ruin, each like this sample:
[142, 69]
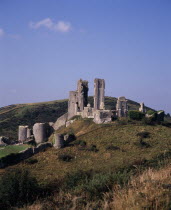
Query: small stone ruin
[59, 141]
[23, 133]
[142, 108]
[122, 107]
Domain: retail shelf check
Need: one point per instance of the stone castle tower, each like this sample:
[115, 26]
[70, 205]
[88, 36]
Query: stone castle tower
[78, 99]
[99, 92]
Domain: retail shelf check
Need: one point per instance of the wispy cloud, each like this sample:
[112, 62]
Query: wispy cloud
[1, 32]
[61, 26]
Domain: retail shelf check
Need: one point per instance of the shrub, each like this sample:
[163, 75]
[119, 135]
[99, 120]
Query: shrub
[135, 115]
[148, 121]
[76, 117]
[139, 162]
[65, 157]
[93, 148]
[122, 121]
[111, 147]
[142, 143]
[160, 116]
[97, 185]
[152, 115]
[17, 188]
[75, 179]
[31, 142]
[143, 134]
[31, 161]
[165, 123]
[150, 112]
[80, 142]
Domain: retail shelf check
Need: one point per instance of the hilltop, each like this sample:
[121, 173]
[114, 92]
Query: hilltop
[27, 114]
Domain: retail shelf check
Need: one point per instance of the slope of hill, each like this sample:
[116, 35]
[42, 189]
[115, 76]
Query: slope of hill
[27, 114]
[102, 156]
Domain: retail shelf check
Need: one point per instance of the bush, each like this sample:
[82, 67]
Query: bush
[150, 112]
[31, 161]
[143, 134]
[135, 115]
[32, 143]
[152, 115]
[80, 142]
[122, 121]
[111, 147]
[75, 179]
[17, 188]
[148, 121]
[97, 185]
[65, 157]
[142, 143]
[93, 148]
[160, 116]
[76, 117]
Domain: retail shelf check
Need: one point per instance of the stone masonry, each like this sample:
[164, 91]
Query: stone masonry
[99, 88]
[78, 99]
[142, 108]
[122, 107]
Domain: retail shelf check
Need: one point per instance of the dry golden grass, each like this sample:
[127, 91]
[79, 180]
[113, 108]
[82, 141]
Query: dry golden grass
[150, 190]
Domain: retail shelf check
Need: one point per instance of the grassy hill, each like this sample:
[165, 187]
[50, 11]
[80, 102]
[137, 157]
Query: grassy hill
[101, 157]
[27, 114]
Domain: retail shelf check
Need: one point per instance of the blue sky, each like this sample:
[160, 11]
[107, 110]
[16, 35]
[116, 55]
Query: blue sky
[47, 45]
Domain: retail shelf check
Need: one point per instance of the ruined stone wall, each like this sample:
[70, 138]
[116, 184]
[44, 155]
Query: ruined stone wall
[142, 108]
[102, 116]
[99, 92]
[59, 141]
[82, 97]
[61, 121]
[72, 104]
[122, 107]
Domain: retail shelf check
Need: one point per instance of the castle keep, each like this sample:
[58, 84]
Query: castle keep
[78, 99]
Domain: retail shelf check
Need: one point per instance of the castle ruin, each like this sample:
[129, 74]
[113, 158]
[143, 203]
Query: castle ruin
[78, 106]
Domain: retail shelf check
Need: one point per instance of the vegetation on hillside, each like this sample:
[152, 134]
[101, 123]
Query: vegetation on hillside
[28, 114]
[91, 171]
[102, 157]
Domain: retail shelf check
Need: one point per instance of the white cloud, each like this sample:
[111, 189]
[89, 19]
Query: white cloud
[1, 32]
[60, 26]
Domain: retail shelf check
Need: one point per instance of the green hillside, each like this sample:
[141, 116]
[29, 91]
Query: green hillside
[101, 157]
[27, 114]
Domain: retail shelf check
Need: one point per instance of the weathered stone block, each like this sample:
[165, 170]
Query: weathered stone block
[102, 116]
[61, 121]
[59, 141]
